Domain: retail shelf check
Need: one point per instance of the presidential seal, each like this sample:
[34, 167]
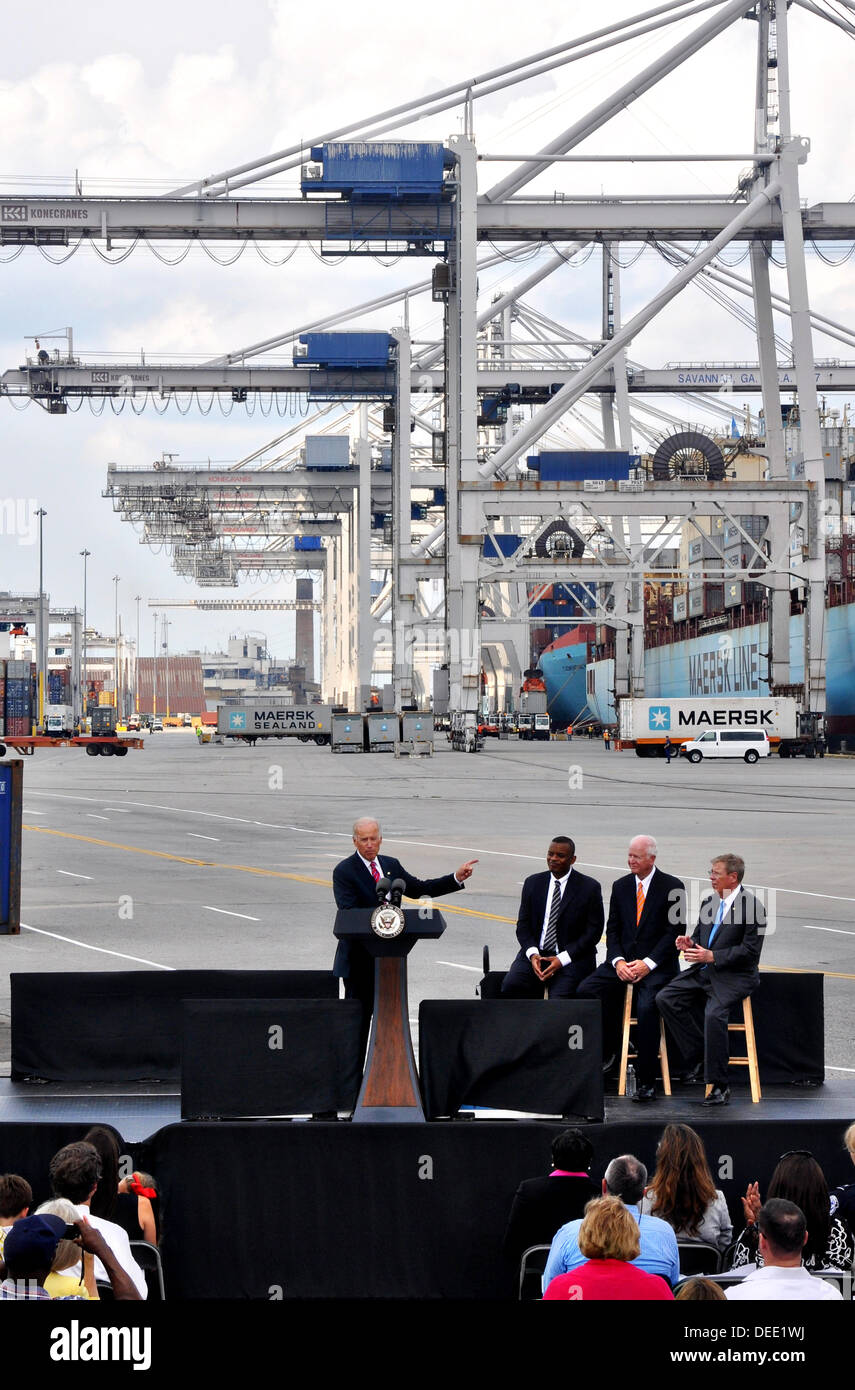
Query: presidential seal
[387, 921]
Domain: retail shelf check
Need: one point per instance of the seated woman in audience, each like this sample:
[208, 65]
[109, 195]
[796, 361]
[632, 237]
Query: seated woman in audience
[60, 1284]
[608, 1238]
[143, 1188]
[699, 1290]
[798, 1178]
[543, 1204]
[843, 1197]
[112, 1199]
[682, 1191]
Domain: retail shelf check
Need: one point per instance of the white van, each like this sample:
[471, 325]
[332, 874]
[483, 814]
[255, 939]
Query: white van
[749, 744]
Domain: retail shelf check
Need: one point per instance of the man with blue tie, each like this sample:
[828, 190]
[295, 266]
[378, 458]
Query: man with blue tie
[559, 924]
[723, 953]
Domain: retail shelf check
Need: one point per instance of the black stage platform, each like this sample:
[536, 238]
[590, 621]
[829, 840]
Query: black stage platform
[338, 1210]
[301, 1209]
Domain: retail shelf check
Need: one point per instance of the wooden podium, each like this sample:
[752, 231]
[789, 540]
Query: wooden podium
[390, 1085]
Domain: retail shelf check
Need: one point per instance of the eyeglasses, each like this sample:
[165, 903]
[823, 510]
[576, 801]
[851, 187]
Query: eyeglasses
[796, 1153]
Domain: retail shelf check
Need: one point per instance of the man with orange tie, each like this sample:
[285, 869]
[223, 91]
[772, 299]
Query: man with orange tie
[355, 882]
[646, 905]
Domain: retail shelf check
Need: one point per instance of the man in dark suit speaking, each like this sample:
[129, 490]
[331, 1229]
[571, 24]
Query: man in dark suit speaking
[723, 953]
[355, 885]
[560, 922]
[645, 909]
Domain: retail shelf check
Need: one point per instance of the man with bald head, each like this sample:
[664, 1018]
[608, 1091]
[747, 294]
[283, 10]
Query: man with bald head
[355, 885]
[645, 906]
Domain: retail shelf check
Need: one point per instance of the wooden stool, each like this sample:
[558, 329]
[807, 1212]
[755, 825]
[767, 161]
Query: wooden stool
[625, 1053]
[750, 1058]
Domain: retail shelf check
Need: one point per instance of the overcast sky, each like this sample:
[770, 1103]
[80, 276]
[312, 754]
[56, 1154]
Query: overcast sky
[144, 99]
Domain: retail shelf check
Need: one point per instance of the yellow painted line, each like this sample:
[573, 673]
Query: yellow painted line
[471, 912]
[109, 844]
[240, 868]
[176, 858]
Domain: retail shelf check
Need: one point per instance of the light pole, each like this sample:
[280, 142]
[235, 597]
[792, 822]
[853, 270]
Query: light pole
[137, 601]
[154, 674]
[42, 634]
[166, 627]
[118, 682]
[85, 554]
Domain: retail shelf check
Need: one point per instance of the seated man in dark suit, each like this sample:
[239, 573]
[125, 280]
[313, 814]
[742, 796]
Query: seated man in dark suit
[355, 882]
[541, 1205]
[645, 908]
[560, 922]
[723, 953]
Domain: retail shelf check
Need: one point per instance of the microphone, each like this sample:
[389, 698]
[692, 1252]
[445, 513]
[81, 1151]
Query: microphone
[382, 886]
[397, 887]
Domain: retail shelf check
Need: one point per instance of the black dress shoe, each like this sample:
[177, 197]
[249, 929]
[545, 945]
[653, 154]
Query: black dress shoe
[690, 1078]
[645, 1093]
[719, 1095]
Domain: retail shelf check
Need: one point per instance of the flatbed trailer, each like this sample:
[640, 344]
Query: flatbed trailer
[107, 745]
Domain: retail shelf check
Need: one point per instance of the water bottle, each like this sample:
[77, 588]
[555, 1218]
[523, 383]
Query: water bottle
[630, 1081]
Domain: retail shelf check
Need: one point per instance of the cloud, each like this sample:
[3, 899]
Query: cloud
[132, 112]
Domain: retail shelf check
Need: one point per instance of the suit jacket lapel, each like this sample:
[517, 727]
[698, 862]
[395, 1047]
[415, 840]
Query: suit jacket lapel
[542, 896]
[709, 913]
[567, 897]
[733, 915]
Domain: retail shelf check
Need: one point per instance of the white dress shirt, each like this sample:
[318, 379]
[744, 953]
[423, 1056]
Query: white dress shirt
[557, 885]
[118, 1241]
[782, 1284]
[645, 886]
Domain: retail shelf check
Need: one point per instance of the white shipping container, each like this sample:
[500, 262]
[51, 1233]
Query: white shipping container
[652, 721]
[271, 720]
[327, 450]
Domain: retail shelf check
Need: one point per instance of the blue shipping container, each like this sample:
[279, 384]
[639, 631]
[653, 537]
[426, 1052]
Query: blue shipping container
[307, 543]
[575, 465]
[381, 168]
[495, 546]
[346, 350]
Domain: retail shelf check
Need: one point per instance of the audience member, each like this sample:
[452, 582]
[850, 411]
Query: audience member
[543, 1204]
[30, 1250]
[16, 1197]
[143, 1188]
[798, 1179]
[699, 1290]
[113, 1199]
[75, 1172]
[682, 1191]
[59, 1282]
[625, 1178]
[608, 1240]
[780, 1276]
[843, 1197]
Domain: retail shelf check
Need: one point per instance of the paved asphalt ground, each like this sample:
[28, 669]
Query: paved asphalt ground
[221, 856]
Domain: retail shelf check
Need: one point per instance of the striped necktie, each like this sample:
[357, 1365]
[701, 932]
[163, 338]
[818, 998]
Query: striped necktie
[639, 902]
[375, 872]
[550, 938]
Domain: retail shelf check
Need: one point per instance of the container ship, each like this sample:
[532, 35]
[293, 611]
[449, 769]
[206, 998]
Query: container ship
[705, 639]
